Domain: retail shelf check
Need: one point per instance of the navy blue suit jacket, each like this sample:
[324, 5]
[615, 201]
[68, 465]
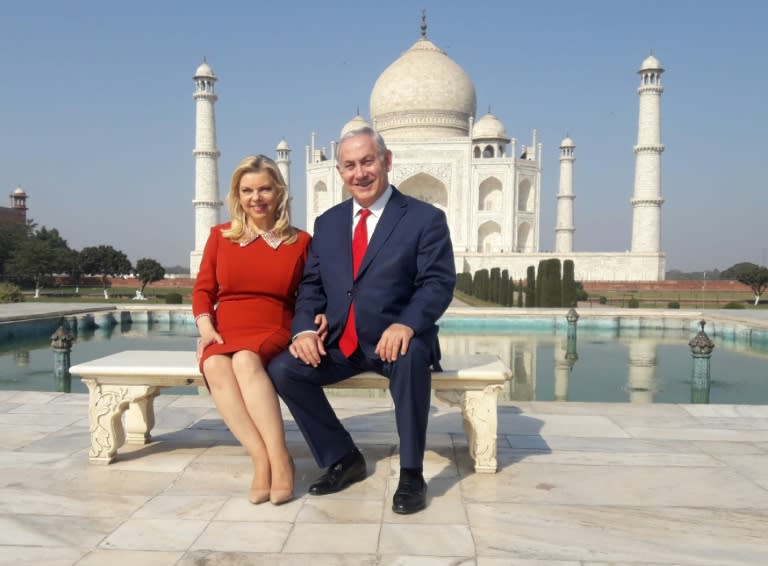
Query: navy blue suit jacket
[407, 275]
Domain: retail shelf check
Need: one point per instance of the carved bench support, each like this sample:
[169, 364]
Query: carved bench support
[106, 405]
[479, 413]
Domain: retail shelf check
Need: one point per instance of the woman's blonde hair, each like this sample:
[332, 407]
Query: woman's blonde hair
[259, 164]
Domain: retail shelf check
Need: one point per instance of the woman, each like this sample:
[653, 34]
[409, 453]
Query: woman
[243, 302]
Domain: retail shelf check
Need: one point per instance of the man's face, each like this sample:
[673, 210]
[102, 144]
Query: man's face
[364, 172]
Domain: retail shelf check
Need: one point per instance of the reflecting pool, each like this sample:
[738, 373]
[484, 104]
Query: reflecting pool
[617, 365]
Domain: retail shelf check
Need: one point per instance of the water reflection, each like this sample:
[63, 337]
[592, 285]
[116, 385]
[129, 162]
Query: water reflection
[644, 367]
[634, 365]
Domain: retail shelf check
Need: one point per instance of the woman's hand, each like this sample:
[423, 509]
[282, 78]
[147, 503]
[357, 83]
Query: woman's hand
[206, 340]
[208, 336]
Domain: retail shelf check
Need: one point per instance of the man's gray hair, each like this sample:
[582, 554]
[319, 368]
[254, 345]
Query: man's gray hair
[381, 147]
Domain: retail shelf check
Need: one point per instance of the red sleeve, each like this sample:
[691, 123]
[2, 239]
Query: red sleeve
[205, 292]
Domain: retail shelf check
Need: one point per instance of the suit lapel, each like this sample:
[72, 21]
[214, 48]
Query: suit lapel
[393, 212]
[342, 239]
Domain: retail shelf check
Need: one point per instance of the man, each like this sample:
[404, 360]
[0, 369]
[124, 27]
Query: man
[381, 268]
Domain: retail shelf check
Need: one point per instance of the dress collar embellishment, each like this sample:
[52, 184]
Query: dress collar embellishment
[270, 238]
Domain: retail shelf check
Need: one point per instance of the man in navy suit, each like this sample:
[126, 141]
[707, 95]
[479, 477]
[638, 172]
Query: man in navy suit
[403, 284]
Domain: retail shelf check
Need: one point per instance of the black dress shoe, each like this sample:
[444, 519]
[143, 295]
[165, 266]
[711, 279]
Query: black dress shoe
[343, 473]
[411, 495]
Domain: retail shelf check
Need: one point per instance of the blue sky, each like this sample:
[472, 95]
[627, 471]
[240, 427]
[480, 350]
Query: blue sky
[97, 115]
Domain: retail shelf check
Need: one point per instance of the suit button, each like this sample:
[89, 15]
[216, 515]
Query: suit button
[349, 293]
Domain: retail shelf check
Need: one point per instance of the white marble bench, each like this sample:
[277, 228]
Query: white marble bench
[129, 381]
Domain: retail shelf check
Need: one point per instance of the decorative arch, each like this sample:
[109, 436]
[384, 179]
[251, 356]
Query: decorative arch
[477, 152]
[488, 151]
[322, 199]
[490, 196]
[489, 237]
[524, 239]
[524, 200]
[427, 188]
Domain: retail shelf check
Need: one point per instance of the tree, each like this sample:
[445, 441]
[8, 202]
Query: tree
[12, 234]
[148, 271]
[105, 262]
[737, 269]
[35, 261]
[37, 257]
[757, 279]
[568, 289]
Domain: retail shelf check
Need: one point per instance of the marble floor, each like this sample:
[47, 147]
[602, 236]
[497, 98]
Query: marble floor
[578, 484]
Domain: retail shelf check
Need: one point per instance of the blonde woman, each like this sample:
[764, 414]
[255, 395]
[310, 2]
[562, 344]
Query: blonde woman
[243, 302]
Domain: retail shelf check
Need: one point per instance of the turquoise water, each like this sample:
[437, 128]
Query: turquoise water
[619, 365]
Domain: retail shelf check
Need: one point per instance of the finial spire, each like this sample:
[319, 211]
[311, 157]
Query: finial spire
[424, 23]
[358, 110]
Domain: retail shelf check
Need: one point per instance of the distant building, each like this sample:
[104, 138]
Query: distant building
[17, 212]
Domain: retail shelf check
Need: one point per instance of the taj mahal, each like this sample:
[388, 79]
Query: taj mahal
[487, 183]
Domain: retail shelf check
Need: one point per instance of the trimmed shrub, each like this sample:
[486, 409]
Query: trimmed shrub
[173, 299]
[603, 300]
[673, 305]
[568, 291]
[734, 305]
[633, 303]
[10, 293]
[530, 287]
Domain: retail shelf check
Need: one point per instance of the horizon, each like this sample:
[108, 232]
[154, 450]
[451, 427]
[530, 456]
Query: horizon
[98, 112]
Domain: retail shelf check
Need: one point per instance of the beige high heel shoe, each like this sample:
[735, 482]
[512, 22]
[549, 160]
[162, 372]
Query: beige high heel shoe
[258, 495]
[280, 496]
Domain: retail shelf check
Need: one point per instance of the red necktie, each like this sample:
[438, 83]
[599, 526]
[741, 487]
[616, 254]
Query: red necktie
[348, 342]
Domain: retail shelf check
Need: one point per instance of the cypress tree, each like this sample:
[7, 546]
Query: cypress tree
[569, 285]
[504, 296]
[530, 289]
[520, 291]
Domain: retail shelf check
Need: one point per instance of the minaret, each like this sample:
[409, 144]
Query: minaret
[206, 200]
[19, 203]
[564, 225]
[283, 162]
[647, 201]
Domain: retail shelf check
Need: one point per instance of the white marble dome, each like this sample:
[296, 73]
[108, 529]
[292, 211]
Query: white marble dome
[423, 94]
[489, 127]
[354, 124]
[19, 192]
[282, 145]
[204, 70]
[650, 63]
[567, 142]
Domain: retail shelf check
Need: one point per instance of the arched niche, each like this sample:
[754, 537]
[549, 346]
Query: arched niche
[524, 200]
[489, 237]
[427, 188]
[490, 195]
[524, 237]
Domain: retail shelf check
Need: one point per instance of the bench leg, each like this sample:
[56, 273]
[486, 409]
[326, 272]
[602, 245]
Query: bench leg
[106, 405]
[140, 419]
[479, 412]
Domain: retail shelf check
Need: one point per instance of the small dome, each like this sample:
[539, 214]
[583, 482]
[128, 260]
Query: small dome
[489, 127]
[19, 192]
[283, 145]
[567, 142]
[354, 124]
[423, 94]
[204, 70]
[651, 63]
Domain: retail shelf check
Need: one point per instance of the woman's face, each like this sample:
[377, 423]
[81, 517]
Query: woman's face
[258, 199]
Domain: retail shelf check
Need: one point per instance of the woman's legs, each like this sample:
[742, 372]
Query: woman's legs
[264, 410]
[229, 400]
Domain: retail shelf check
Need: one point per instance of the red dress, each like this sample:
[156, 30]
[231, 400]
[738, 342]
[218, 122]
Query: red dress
[250, 292]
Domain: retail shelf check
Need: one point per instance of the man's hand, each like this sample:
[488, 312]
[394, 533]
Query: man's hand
[394, 342]
[308, 347]
[322, 326]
